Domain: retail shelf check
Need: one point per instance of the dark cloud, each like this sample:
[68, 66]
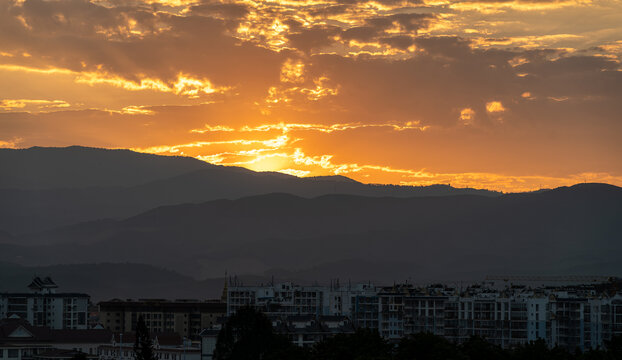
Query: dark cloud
[376, 27]
[316, 37]
[401, 42]
[411, 22]
[383, 2]
[452, 47]
[448, 76]
[161, 46]
[331, 10]
[361, 33]
[221, 10]
[512, 1]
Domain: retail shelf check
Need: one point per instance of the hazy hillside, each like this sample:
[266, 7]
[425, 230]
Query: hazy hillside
[44, 188]
[566, 230]
[107, 280]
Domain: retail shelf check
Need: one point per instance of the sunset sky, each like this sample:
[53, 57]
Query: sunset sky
[509, 95]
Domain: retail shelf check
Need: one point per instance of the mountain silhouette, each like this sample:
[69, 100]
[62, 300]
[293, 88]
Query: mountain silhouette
[44, 188]
[567, 230]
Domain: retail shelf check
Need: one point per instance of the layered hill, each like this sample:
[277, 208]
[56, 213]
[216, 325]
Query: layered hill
[112, 280]
[44, 188]
[570, 230]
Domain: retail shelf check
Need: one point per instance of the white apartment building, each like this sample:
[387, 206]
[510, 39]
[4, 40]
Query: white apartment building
[290, 299]
[43, 306]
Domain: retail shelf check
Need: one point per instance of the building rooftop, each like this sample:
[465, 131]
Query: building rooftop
[17, 330]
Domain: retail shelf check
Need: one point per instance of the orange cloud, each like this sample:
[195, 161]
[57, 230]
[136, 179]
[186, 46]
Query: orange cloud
[26, 104]
[494, 107]
[467, 116]
[183, 85]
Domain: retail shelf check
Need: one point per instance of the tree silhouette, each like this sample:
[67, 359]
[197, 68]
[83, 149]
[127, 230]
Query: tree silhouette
[364, 344]
[79, 356]
[478, 348]
[427, 346]
[248, 335]
[143, 347]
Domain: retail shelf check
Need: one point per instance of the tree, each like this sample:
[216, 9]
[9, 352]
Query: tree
[364, 344]
[248, 335]
[79, 356]
[477, 348]
[614, 347]
[143, 347]
[427, 346]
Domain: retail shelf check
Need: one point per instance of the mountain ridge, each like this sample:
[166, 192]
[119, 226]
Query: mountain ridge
[123, 183]
[574, 227]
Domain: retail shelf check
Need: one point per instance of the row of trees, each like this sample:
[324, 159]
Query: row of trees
[248, 335]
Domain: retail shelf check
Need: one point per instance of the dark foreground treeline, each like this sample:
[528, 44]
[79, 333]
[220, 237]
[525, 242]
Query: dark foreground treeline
[248, 335]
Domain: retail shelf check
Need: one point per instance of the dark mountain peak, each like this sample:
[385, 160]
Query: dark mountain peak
[584, 189]
[590, 187]
[82, 167]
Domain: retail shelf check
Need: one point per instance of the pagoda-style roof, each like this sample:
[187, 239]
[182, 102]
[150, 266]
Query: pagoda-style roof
[39, 284]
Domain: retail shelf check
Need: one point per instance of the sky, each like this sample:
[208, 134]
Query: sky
[508, 95]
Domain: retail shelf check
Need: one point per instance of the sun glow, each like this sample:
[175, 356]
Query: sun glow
[401, 92]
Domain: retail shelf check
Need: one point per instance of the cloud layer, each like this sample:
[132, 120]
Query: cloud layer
[507, 95]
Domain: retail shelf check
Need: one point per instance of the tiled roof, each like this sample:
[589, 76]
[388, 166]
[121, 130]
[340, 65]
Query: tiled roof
[52, 295]
[47, 335]
[38, 283]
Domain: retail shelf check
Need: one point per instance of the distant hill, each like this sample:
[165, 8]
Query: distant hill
[567, 230]
[44, 188]
[108, 280]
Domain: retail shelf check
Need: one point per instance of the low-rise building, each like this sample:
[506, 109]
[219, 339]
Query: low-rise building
[21, 340]
[184, 317]
[306, 330]
[166, 346]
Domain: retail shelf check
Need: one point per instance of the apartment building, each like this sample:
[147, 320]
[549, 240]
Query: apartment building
[287, 299]
[44, 306]
[184, 317]
[581, 316]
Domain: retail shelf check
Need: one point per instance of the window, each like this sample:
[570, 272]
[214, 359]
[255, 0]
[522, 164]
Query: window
[13, 353]
[82, 318]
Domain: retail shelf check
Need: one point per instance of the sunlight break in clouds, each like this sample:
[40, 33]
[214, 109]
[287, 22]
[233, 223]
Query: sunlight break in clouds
[494, 106]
